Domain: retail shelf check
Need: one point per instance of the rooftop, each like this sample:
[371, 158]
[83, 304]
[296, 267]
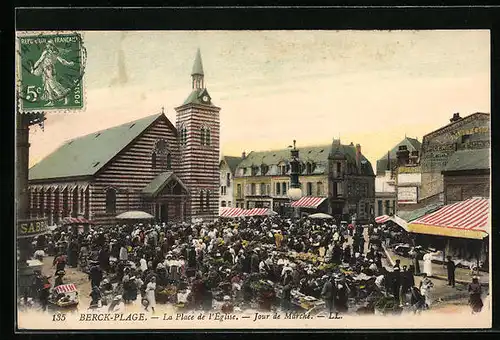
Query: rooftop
[84, 156]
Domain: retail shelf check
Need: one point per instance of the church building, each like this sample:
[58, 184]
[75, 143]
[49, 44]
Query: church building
[170, 171]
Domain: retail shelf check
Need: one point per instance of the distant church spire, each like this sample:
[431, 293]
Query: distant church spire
[197, 73]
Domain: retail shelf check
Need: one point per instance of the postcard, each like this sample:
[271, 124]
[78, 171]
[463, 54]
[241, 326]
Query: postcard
[280, 179]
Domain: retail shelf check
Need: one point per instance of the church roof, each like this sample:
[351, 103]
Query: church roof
[84, 156]
[198, 65]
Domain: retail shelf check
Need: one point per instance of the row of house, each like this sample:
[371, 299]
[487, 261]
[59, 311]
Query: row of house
[337, 175]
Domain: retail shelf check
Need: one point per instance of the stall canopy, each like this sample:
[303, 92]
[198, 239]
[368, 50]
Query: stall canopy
[240, 212]
[320, 216]
[466, 219]
[412, 215]
[382, 219]
[308, 202]
[65, 288]
[135, 215]
[75, 220]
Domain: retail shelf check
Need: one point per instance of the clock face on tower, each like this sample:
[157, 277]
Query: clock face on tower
[205, 99]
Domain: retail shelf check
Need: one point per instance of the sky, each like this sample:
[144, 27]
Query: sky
[366, 87]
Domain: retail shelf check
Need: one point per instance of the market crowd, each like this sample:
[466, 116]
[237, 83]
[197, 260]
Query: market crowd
[259, 262]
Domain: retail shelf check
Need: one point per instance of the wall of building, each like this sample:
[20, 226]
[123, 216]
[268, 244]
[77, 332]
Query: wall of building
[439, 145]
[131, 171]
[461, 187]
[226, 198]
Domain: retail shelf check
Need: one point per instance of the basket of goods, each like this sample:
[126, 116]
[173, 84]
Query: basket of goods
[167, 294]
[387, 305]
[327, 266]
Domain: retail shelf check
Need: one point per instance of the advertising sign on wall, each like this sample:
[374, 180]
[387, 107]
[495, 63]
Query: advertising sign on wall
[407, 195]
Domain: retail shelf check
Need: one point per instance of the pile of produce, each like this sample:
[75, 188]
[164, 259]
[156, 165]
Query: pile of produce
[387, 305]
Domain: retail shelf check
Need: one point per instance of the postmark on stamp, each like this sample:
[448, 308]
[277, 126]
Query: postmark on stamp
[51, 72]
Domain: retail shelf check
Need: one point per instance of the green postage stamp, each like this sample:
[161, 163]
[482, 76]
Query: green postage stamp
[51, 72]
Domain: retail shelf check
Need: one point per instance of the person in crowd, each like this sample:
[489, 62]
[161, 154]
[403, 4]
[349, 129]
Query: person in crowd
[450, 268]
[151, 294]
[328, 293]
[475, 291]
[95, 274]
[59, 278]
[428, 264]
[426, 286]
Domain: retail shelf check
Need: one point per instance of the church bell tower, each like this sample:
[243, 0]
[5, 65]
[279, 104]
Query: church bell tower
[198, 127]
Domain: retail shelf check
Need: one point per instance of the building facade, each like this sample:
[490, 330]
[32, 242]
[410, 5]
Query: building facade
[148, 164]
[390, 176]
[467, 133]
[338, 173]
[351, 183]
[262, 179]
[227, 168]
[467, 175]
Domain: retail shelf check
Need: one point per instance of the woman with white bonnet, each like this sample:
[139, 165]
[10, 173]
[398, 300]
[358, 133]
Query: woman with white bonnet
[428, 264]
[150, 294]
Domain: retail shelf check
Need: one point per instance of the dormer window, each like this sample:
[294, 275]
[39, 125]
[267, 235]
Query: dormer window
[402, 148]
[255, 170]
[264, 169]
[309, 168]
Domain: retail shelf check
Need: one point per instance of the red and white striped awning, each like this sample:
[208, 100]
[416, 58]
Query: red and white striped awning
[65, 288]
[240, 212]
[232, 212]
[466, 219]
[259, 212]
[308, 202]
[382, 219]
[75, 220]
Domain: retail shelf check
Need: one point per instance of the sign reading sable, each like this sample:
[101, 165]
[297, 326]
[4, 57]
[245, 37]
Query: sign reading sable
[30, 228]
[52, 68]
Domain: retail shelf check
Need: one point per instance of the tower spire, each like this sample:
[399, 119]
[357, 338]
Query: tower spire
[197, 72]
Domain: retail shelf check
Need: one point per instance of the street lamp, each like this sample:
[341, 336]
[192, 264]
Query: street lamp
[294, 193]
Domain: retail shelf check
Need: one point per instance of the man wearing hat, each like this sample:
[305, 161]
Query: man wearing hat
[59, 278]
[95, 273]
[328, 293]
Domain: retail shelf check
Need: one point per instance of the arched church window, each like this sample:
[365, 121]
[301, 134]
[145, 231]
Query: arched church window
[202, 136]
[183, 135]
[207, 137]
[153, 159]
[110, 201]
[169, 161]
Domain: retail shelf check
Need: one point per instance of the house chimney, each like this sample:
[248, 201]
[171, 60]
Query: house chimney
[243, 155]
[358, 156]
[456, 117]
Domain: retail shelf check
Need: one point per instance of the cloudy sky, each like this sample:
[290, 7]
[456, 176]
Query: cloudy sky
[368, 87]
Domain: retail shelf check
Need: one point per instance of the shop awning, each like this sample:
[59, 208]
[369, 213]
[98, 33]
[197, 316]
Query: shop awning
[382, 219]
[232, 212]
[308, 202]
[466, 219]
[259, 212]
[75, 220]
[240, 212]
[399, 221]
